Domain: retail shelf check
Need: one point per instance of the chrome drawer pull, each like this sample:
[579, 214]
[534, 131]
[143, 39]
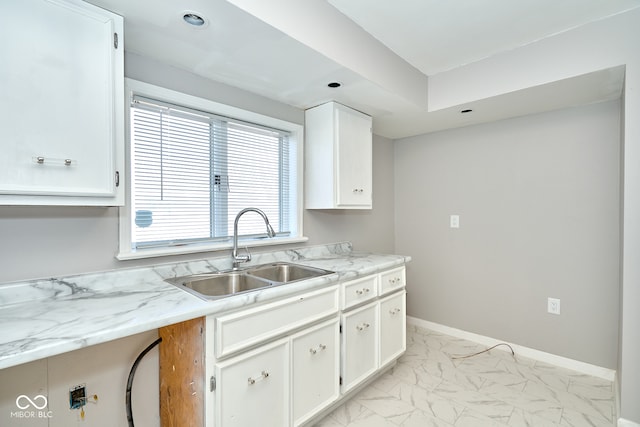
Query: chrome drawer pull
[362, 291]
[263, 376]
[394, 311]
[51, 161]
[362, 326]
[317, 349]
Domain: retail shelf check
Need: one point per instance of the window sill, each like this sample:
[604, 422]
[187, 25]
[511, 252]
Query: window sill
[209, 247]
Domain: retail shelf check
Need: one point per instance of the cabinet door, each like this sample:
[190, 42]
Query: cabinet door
[360, 345]
[253, 389]
[61, 108]
[393, 329]
[315, 362]
[354, 158]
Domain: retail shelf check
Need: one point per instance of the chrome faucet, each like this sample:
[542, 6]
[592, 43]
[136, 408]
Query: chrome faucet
[237, 259]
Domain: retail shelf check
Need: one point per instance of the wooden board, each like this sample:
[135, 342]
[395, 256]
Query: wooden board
[182, 374]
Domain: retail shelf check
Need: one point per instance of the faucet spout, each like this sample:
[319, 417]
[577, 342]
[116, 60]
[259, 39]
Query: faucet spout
[237, 259]
[270, 232]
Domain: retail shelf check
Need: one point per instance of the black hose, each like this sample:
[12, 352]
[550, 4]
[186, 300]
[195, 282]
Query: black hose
[130, 381]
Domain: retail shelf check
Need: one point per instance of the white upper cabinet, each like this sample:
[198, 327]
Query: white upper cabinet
[62, 108]
[338, 158]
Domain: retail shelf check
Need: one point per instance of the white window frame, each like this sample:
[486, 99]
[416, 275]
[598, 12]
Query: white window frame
[135, 87]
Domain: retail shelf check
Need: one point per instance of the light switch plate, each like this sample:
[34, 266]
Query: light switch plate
[553, 305]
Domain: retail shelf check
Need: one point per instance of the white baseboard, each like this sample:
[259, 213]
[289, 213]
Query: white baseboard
[626, 423]
[563, 362]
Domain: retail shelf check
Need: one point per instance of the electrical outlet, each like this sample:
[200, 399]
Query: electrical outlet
[77, 396]
[454, 221]
[553, 305]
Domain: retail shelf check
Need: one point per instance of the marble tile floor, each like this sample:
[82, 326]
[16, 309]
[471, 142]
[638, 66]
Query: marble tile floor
[428, 388]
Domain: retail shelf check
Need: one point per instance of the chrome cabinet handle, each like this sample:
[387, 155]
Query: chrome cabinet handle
[362, 326]
[263, 376]
[358, 190]
[394, 311]
[317, 349]
[41, 161]
[362, 291]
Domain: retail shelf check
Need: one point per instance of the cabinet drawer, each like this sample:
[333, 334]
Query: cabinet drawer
[359, 291]
[392, 280]
[249, 327]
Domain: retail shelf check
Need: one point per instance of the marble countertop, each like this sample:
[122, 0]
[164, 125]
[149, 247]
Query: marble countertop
[42, 318]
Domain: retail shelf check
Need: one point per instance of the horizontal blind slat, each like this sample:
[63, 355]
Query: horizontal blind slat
[188, 164]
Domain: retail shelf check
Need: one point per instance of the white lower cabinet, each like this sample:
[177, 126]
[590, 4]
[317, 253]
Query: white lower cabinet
[254, 388]
[359, 345]
[315, 365]
[393, 327]
[280, 364]
[373, 328]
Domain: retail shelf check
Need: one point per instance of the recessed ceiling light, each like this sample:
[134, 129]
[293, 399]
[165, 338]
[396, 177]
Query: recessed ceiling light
[334, 84]
[193, 19]
[468, 110]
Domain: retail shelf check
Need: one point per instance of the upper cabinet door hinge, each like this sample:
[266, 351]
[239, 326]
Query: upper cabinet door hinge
[115, 40]
[212, 384]
[117, 179]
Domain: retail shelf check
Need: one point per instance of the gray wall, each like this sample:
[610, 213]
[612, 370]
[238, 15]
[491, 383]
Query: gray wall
[54, 241]
[368, 230]
[539, 205]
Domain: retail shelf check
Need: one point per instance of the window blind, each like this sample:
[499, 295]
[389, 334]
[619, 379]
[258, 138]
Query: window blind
[193, 171]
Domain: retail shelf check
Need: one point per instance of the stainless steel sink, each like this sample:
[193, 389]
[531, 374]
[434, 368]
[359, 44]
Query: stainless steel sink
[227, 283]
[285, 272]
[217, 285]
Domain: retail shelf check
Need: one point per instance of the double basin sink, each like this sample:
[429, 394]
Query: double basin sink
[233, 282]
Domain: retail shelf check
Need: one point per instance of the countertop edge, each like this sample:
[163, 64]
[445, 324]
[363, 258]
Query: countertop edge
[164, 303]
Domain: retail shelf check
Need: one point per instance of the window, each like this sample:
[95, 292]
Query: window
[193, 167]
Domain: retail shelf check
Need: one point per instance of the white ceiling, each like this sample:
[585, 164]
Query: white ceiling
[382, 52]
[437, 35]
